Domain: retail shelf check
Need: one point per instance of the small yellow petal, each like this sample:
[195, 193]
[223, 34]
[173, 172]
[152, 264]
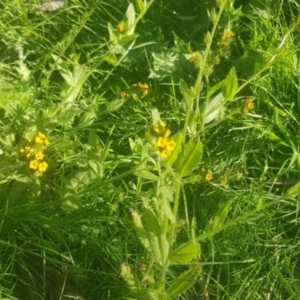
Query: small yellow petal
[165, 153]
[38, 140]
[161, 142]
[171, 145]
[43, 167]
[41, 135]
[39, 156]
[33, 164]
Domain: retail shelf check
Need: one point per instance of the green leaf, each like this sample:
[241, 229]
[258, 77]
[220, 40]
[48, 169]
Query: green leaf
[112, 36]
[166, 197]
[220, 217]
[146, 175]
[186, 92]
[71, 205]
[185, 253]
[183, 282]
[140, 5]
[178, 139]
[128, 38]
[111, 58]
[293, 191]
[153, 232]
[155, 116]
[94, 165]
[213, 109]
[189, 158]
[230, 87]
[143, 294]
[130, 16]
[114, 105]
[216, 87]
[157, 239]
[75, 80]
[93, 139]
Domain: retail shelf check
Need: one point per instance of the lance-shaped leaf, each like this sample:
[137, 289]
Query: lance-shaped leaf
[130, 16]
[178, 139]
[214, 108]
[230, 87]
[187, 95]
[184, 281]
[293, 191]
[157, 239]
[185, 253]
[220, 217]
[146, 175]
[189, 158]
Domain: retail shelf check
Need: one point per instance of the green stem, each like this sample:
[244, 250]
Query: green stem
[197, 86]
[177, 186]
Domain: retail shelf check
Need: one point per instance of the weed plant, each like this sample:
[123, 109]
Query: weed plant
[149, 150]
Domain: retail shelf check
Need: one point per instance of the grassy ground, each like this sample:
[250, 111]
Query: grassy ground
[149, 150]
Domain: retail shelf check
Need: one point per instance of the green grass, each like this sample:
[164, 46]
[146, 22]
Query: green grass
[115, 217]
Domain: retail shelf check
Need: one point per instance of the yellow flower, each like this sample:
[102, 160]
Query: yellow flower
[247, 105]
[165, 153]
[122, 27]
[39, 155]
[38, 140]
[141, 88]
[145, 92]
[159, 130]
[33, 164]
[43, 167]
[227, 34]
[208, 176]
[46, 142]
[22, 150]
[41, 139]
[171, 145]
[124, 95]
[161, 142]
[143, 85]
[41, 135]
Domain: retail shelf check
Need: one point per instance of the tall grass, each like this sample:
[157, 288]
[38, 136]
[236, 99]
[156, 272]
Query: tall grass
[149, 150]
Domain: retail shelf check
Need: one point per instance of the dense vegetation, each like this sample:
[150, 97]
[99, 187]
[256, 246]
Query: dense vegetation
[149, 150]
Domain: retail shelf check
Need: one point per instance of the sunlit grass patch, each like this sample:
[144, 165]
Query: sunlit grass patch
[149, 150]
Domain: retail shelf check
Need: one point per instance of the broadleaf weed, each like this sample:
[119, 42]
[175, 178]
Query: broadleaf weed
[149, 150]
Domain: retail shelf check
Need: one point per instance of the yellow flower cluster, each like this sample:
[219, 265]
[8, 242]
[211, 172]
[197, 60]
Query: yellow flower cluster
[139, 89]
[142, 88]
[34, 152]
[164, 144]
[246, 106]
